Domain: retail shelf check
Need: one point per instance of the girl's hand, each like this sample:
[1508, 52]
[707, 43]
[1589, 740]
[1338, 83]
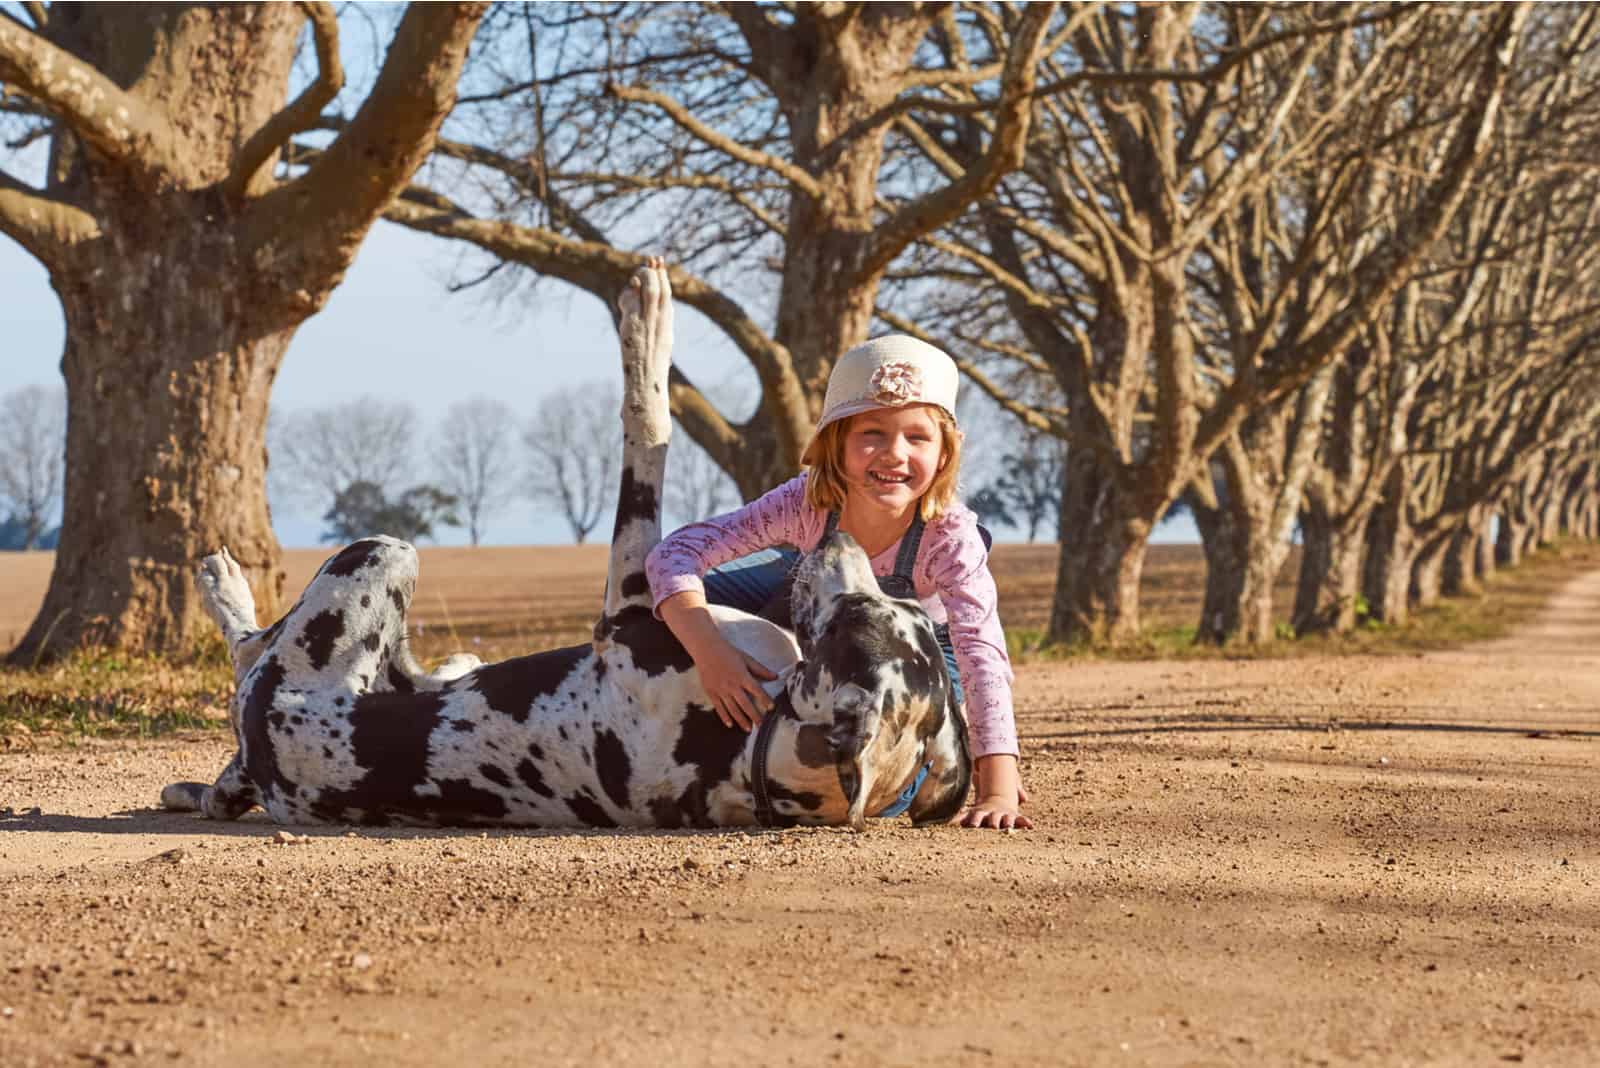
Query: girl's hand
[732, 679]
[1001, 795]
[998, 811]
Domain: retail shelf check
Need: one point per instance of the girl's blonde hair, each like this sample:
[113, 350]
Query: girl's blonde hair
[826, 488]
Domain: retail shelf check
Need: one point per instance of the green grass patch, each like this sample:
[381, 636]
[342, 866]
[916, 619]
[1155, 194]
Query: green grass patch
[104, 694]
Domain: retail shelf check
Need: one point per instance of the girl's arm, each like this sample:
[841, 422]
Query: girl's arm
[956, 564]
[778, 517]
[731, 677]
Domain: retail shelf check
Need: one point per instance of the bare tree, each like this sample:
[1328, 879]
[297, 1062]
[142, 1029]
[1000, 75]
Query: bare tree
[574, 442]
[761, 143]
[185, 263]
[33, 429]
[475, 458]
[324, 451]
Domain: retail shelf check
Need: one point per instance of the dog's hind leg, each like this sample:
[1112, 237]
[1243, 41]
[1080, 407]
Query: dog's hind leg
[227, 599]
[231, 796]
[646, 333]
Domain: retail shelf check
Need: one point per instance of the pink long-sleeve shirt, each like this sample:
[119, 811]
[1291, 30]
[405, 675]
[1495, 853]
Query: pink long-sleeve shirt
[951, 576]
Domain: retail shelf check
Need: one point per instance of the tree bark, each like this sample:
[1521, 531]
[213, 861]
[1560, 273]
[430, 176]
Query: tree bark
[1459, 574]
[1391, 549]
[1427, 570]
[1328, 593]
[1098, 570]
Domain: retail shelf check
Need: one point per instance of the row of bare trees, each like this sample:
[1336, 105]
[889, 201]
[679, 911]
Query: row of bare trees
[1315, 266]
[1318, 269]
[1347, 287]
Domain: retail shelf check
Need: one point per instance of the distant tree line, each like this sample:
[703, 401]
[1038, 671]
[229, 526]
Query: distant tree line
[375, 469]
[33, 432]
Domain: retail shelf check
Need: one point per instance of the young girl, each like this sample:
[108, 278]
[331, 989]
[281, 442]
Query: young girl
[882, 467]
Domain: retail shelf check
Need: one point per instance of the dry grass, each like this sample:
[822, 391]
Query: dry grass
[501, 602]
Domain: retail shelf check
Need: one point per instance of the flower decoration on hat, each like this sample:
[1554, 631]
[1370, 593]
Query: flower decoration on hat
[895, 383]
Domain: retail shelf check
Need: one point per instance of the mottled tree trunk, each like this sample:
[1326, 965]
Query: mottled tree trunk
[1427, 570]
[1101, 562]
[1391, 549]
[1242, 564]
[171, 344]
[1332, 550]
[1459, 574]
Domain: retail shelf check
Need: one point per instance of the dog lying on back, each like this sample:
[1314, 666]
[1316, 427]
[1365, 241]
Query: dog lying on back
[336, 722]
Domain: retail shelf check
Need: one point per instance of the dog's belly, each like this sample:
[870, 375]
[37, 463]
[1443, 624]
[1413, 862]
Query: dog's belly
[569, 739]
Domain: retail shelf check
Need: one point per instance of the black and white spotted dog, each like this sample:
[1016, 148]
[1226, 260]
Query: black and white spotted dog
[336, 723]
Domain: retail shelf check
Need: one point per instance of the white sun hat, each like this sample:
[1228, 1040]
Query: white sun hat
[887, 372]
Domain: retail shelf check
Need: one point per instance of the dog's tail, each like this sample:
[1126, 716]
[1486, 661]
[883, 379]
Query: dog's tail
[645, 327]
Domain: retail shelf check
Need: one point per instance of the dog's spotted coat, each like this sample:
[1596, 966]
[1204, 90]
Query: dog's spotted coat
[336, 723]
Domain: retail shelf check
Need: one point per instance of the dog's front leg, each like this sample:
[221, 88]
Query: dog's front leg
[231, 796]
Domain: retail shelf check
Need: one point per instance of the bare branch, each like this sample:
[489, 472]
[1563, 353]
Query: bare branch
[46, 227]
[603, 271]
[300, 115]
[385, 144]
[38, 13]
[1005, 152]
[110, 121]
[1377, 277]
[718, 141]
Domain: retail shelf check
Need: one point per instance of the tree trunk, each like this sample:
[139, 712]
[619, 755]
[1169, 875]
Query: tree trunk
[170, 353]
[1242, 564]
[169, 370]
[1328, 597]
[1224, 546]
[1459, 568]
[1510, 539]
[1391, 548]
[1427, 571]
[1101, 561]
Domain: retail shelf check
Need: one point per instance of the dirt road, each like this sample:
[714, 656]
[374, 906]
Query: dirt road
[1390, 861]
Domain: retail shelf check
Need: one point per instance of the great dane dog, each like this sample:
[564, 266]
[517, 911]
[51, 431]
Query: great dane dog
[336, 722]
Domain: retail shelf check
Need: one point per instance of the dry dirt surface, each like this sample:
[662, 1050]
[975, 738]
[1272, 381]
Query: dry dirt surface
[1387, 860]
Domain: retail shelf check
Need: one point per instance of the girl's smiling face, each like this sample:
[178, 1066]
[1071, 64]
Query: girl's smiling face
[891, 456]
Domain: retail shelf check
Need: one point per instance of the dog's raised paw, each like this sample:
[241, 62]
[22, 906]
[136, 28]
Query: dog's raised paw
[224, 592]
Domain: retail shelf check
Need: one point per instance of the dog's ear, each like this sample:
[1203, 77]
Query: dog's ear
[856, 719]
[802, 614]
